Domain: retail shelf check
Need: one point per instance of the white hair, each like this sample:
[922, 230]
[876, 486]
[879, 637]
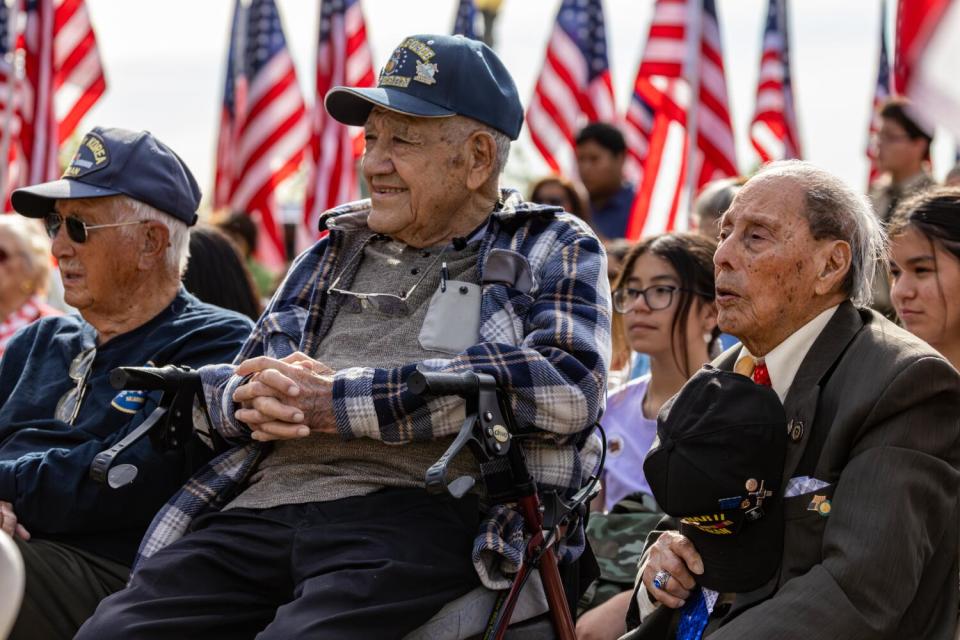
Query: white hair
[468, 125]
[178, 249]
[502, 141]
[834, 210]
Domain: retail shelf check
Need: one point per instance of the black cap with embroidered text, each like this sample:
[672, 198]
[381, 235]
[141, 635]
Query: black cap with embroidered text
[112, 162]
[716, 465]
[437, 76]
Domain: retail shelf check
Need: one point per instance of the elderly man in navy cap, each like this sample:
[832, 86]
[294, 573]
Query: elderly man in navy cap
[329, 531]
[118, 220]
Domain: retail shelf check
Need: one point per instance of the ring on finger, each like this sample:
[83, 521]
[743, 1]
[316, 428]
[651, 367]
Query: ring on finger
[660, 579]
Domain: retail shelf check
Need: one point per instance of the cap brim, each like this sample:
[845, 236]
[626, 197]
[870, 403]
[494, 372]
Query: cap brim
[37, 201]
[352, 106]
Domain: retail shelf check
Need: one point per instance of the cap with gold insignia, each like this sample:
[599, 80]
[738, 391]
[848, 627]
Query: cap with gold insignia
[436, 76]
[111, 162]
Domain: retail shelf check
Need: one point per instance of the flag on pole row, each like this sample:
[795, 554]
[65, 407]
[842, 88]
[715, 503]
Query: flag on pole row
[637, 127]
[681, 88]
[774, 131]
[574, 87]
[343, 58]
[234, 94]
[881, 94]
[465, 22]
[267, 129]
[927, 52]
[10, 89]
[64, 78]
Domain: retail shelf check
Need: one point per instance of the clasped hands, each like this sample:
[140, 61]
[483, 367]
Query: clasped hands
[676, 555]
[285, 399]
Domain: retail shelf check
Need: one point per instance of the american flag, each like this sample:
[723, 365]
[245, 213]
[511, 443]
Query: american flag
[574, 87]
[343, 58]
[269, 132]
[465, 22]
[880, 94]
[773, 131]
[227, 138]
[925, 62]
[10, 88]
[64, 78]
[637, 127]
[682, 64]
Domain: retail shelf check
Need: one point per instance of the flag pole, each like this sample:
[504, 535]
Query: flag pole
[7, 132]
[694, 44]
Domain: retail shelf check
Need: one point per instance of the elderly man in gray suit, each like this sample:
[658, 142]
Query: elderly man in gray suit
[871, 478]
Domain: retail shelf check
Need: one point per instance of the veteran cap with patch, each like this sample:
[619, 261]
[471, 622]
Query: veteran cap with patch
[436, 76]
[716, 465]
[111, 162]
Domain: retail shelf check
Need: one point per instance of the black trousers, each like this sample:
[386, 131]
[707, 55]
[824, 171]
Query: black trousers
[63, 587]
[376, 566]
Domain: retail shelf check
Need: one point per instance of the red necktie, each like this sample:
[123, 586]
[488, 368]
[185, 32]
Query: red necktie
[761, 375]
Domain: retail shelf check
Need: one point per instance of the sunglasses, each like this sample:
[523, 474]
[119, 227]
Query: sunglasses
[77, 229]
[68, 408]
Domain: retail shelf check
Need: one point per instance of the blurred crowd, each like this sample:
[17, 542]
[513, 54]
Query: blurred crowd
[664, 303]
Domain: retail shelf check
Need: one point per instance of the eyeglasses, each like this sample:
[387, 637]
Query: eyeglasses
[77, 229]
[387, 303]
[68, 408]
[889, 138]
[657, 297]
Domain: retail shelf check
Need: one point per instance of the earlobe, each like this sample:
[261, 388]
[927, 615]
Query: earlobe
[483, 151]
[834, 268]
[155, 243]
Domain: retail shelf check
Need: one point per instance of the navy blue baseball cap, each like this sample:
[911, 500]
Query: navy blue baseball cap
[112, 162]
[437, 76]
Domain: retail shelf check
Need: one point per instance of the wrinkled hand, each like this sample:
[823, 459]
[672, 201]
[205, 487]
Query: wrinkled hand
[287, 398]
[676, 555]
[9, 522]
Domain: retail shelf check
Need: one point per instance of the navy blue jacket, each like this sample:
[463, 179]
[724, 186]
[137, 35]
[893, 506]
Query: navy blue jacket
[45, 463]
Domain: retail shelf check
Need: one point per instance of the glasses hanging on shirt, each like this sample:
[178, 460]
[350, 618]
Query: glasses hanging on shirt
[68, 408]
[386, 303]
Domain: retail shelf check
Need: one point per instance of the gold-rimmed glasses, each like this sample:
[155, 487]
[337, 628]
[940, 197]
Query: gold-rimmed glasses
[389, 304]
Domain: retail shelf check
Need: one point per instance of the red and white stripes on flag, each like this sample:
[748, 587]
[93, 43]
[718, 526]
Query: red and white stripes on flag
[682, 65]
[64, 78]
[10, 91]
[270, 130]
[927, 51]
[881, 94]
[773, 131]
[343, 58]
[574, 87]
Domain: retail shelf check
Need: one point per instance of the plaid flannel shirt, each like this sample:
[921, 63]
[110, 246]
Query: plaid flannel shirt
[549, 349]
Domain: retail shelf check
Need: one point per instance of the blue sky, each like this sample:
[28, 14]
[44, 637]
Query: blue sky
[164, 63]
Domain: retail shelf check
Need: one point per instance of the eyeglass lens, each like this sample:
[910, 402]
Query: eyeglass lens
[657, 297]
[385, 303]
[76, 229]
[68, 408]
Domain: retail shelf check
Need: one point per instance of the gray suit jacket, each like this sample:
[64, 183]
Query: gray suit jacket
[883, 409]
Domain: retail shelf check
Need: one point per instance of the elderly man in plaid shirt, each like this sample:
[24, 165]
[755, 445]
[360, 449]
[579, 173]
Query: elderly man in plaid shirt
[327, 531]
